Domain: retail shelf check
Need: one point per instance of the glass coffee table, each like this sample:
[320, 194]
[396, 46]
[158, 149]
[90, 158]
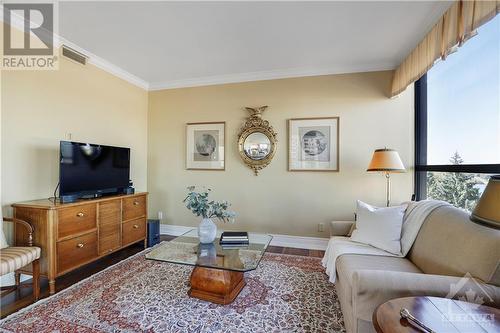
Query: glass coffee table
[218, 273]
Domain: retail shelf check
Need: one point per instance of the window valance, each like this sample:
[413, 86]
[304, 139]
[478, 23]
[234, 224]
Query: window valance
[457, 24]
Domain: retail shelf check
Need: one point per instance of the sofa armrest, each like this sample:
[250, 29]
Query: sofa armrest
[340, 228]
[371, 288]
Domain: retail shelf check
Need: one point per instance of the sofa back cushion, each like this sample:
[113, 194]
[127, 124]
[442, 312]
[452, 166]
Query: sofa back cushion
[450, 244]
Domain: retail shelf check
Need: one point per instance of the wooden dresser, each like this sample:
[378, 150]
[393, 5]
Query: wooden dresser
[74, 234]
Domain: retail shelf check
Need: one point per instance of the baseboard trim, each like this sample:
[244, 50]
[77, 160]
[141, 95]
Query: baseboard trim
[298, 242]
[173, 230]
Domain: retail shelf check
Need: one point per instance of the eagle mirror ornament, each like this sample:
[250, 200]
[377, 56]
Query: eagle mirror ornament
[257, 140]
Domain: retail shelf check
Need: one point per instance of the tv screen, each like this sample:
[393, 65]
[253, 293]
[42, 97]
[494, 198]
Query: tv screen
[88, 169]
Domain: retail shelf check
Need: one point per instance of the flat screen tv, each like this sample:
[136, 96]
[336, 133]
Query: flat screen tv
[91, 170]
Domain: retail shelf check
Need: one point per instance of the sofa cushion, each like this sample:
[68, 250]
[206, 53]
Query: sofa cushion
[450, 244]
[379, 226]
[347, 264]
[13, 258]
[370, 288]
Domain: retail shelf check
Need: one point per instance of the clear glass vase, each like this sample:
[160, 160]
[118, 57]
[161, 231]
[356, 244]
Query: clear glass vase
[207, 231]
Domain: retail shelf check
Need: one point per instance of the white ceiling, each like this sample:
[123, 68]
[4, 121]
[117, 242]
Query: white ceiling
[173, 44]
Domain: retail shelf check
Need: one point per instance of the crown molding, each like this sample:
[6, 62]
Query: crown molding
[104, 64]
[267, 75]
[18, 23]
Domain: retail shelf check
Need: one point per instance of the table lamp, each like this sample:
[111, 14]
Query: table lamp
[487, 211]
[387, 161]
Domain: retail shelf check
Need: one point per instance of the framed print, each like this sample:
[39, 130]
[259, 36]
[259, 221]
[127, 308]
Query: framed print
[205, 146]
[313, 144]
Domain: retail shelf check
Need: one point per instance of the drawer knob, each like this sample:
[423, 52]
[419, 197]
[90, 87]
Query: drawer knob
[136, 203]
[80, 214]
[136, 226]
[80, 245]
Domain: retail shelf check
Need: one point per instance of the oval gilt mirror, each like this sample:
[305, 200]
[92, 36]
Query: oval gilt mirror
[257, 140]
[257, 146]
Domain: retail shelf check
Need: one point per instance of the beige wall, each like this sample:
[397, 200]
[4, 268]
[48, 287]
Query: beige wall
[278, 201]
[40, 108]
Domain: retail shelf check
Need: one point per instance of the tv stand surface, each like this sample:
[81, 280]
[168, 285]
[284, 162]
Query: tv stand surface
[77, 233]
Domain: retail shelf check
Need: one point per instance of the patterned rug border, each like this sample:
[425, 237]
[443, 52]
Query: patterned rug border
[60, 293]
[73, 286]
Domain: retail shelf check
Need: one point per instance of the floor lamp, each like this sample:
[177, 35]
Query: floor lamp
[387, 161]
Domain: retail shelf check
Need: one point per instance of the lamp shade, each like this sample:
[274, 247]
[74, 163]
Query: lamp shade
[387, 160]
[487, 210]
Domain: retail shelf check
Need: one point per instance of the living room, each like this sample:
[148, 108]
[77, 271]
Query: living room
[350, 147]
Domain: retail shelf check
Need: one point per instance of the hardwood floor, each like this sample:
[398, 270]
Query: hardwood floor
[297, 252]
[22, 297]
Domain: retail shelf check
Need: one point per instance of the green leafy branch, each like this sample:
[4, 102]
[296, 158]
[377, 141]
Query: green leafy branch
[199, 204]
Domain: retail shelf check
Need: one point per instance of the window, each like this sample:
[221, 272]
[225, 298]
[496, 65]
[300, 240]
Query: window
[457, 122]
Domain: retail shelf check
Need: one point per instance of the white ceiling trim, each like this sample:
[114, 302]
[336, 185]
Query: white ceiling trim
[266, 75]
[18, 23]
[104, 64]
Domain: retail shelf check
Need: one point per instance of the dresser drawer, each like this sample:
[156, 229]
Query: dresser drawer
[110, 212]
[134, 207]
[110, 215]
[76, 219]
[109, 238]
[133, 231]
[76, 251]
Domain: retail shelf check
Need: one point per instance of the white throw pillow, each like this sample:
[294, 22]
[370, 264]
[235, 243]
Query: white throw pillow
[379, 226]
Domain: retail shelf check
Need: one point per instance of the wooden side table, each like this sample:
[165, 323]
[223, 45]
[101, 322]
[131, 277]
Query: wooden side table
[439, 314]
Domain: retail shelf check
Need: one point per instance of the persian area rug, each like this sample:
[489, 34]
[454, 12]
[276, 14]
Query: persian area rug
[285, 294]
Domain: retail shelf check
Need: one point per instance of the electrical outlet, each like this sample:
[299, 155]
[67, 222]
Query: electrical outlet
[69, 136]
[160, 215]
[321, 227]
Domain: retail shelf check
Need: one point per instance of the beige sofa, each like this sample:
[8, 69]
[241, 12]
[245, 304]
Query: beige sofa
[448, 247]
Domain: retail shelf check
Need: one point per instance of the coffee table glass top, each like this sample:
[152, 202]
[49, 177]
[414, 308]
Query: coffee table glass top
[186, 249]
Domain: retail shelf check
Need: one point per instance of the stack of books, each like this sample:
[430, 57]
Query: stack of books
[230, 239]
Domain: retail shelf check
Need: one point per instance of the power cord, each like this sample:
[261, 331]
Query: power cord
[54, 197]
